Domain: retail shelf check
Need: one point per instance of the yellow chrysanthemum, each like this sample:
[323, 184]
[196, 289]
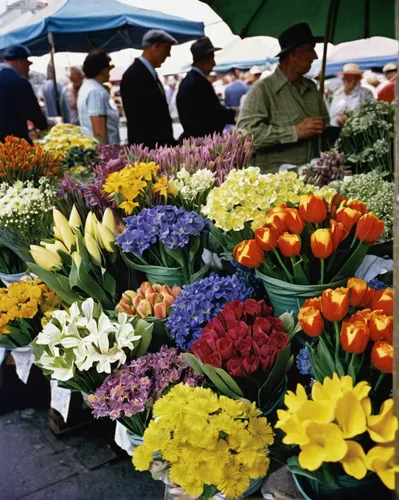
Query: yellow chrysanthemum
[142, 457]
[261, 429]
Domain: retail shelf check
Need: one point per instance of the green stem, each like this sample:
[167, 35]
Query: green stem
[379, 381]
[321, 271]
[338, 363]
[287, 273]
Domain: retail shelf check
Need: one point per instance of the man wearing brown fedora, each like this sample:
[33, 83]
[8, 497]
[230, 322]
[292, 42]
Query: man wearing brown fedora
[200, 110]
[350, 96]
[281, 112]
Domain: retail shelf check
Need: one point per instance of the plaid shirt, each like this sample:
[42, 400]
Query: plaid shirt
[271, 111]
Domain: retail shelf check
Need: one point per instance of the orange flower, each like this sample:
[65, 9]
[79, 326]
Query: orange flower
[338, 232]
[383, 299]
[294, 221]
[381, 326]
[311, 321]
[277, 221]
[382, 356]
[348, 217]
[354, 337]
[360, 294]
[276, 210]
[321, 243]
[363, 315]
[369, 228]
[248, 253]
[335, 303]
[313, 208]
[266, 237]
[289, 244]
[358, 205]
[313, 302]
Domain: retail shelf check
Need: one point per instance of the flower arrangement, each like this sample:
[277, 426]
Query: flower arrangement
[149, 300]
[26, 210]
[19, 161]
[129, 393]
[336, 432]
[81, 346]
[310, 245]
[65, 137]
[199, 303]
[330, 167]
[376, 192]
[211, 444]
[23, 306]
[192, 188]
[165, 236]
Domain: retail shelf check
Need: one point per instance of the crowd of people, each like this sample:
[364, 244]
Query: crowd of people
[280, 109]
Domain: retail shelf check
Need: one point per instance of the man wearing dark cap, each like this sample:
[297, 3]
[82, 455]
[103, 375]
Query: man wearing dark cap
[18, 102]
[200, 110]
[282, 112]
[143, 95]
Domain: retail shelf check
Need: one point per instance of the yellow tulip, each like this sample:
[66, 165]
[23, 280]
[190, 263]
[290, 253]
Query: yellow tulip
[91, 221]
[105, 237]
[57, 234]
[61, 225]
[74, 218]
[54, 247]
[93, 249]
[77, 259]
[109, 220]
[45, 258]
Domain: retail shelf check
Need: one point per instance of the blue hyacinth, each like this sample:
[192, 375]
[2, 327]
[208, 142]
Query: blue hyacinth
[304, 363]
[377, 284]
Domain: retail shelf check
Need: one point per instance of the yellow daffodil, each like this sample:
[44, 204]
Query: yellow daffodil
[350, 415]
[128, 206]
[294, 429]
[161, 187]
[381, 460]
[382, 428]
[331, 389]
[354, 462]
[316, 411]
[326, 444]
[293, 401]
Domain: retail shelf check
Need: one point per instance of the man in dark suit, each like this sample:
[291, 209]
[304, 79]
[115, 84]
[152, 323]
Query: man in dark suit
[200, 110]
[143, 95]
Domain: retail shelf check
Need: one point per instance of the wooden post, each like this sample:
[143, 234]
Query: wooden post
[52, 52]
[396, 261]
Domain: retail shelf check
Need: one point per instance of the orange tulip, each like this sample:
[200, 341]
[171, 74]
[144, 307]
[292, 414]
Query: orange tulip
[369, 228]
[313, 208]
[363, 315]
[338, 232]
[335, 303]
[266, 237]
[360, 294]
[311, 321]
[381, 326]
[248, 253]
[348, 217]
[321, 243]
[276, 210]
[313, 302]
[289, 244]
[295, 223]
[358, 205]
[382, 356]
[277, 221]
[383, 299]
[354, 337]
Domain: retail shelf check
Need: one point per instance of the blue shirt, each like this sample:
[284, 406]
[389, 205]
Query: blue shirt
[149, 66]
[198, 70]
[233, 93]
[49, 97]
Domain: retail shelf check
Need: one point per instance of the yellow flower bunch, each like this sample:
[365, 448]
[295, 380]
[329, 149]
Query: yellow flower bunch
[328, 427]
[207, 440]
[24, 300]
[247, 195]
[131, 183]
[63, 137]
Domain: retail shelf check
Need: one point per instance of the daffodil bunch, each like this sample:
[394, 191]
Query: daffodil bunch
[64, 137]
[82, 260]
[81, 346]
[193, 188]
[23, 306]
[336, 431]
[137, 186]
[209, 444]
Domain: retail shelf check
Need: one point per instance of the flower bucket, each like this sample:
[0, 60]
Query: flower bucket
[288, 297]
[7, 279]
[170, 276]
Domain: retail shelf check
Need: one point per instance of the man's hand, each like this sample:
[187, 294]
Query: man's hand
[341, 120]
[310, 126]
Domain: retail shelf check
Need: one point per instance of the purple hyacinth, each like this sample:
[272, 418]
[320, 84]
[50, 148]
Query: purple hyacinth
[199, 303]
[136, 387]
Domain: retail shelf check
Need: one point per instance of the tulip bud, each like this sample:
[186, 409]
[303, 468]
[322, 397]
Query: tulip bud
[312, 208]
[109, 220]
[311, 321]
[165, 290]
[62, 229]
[266, 238]
[160, 310]
[354, 337]
[137, 300]
[149, 291]
[157, 288]
[169, 300]
[364, 315]
[123, 307]
[382, 356]
[357, 205]
[93, 249]
[144, 286]
[77, 259]
[321, 242]
[144, 309]
[176, 290]
[348, 217]
[295, 223]
[54, 247]
[338, 233]
[57, 234]
[314, 302]
[276, 220]
[383, 299]
[381, 326]
[335, 304]
[45, 258]
[249, 254]
[68, 237]
[105, 238]
[153, 298]
[369, 228]
[289, 244]
[129, 295]
[360, 294]
[74, 218]
[91, 221]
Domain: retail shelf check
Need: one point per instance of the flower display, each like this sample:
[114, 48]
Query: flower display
[129, 393]
[330, 167]
[337, 426]
[226, 448]
[72, 343]
[199, 303]
[65, 136]
[149, 300]
[192, 188]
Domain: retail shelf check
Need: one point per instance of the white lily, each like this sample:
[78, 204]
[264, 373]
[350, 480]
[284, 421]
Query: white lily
[106, 359]
[51, 336]
[125, 335]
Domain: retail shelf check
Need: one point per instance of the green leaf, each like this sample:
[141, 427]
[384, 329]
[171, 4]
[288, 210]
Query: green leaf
[12, 241]
[93, 289]
[353, 263]
[143, 328]
[288, 320]
[210, 372]
[277, 373]
[195, 244]
[229, 381]
[109, 282]
[193, 362]
[299, 273]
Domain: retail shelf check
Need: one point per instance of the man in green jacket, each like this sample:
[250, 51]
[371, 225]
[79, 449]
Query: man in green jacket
[282, 112]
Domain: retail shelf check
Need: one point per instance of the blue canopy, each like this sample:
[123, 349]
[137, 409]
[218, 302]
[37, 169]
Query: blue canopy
[81, 25]
[243, 65]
